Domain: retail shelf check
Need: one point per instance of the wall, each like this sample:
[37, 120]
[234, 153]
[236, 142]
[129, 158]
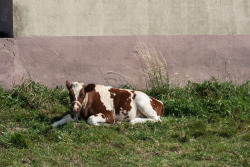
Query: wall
[93, 40]
[6, 19]
[109, 60]
[130, 17]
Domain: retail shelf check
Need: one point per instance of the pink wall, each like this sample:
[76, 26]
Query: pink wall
[109, 60]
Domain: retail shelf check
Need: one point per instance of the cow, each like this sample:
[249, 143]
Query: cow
[98, 104]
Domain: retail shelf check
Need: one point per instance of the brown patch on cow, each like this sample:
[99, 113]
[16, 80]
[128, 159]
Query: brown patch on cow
[89, 88]
[134, 95]
[68, 85]
[95, 106]
[157, 106]
[103, 116]
[81, 96]
[122, 100]
[71, 95]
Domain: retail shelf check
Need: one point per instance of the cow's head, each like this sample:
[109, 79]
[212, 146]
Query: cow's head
[77, 93]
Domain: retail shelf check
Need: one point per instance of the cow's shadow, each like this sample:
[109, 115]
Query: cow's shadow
[58, 117]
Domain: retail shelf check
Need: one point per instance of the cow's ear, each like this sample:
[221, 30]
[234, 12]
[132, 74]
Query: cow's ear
[89, 87]
[68, 85]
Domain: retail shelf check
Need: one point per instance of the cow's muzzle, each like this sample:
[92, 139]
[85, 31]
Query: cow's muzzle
[77, 102]
[76, 107]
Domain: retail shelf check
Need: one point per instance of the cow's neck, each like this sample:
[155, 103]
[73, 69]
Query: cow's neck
[84, 112]
[85, 101]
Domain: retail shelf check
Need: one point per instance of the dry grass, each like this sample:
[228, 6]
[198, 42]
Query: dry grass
[153, 65]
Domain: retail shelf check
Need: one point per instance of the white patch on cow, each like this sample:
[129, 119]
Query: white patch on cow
[113, 94]
[119, 117]
[96, 120]
[143, 120]
[105, 96]
[76, 86]
[132, 113]
[76, 106]
[144, 106]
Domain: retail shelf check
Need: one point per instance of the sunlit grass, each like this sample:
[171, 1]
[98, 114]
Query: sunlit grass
[192, 133]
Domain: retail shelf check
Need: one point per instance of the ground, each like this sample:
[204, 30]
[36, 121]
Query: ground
[204, 125]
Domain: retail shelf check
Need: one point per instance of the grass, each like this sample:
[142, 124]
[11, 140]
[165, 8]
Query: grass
[210, 99]
[205, 124]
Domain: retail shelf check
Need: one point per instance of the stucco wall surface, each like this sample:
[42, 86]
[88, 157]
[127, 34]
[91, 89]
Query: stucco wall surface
[130, 17]
[110, 60]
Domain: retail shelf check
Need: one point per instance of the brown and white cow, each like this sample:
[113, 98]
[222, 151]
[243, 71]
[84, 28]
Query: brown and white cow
[100, 104]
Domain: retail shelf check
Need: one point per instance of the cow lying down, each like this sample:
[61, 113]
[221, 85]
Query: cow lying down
[103, 104]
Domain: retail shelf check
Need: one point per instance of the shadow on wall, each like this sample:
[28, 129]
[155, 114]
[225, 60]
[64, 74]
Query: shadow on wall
[6, 19]
[4, 35]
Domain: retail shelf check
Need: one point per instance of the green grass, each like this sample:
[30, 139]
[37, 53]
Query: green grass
[205, 125]
[210, 99]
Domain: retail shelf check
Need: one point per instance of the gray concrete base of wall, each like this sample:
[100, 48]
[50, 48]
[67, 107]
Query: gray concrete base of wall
[110, 60]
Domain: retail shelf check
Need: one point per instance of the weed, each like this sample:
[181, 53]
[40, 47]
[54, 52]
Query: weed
[2, 128]
[197, 129]
[182, 137]
[246, 137]
[19, 140]
[153, 66]
[33, 95]
[174, 148]
[211, 99]
[228, 132]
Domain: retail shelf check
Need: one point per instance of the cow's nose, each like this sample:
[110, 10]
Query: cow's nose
[75, 109]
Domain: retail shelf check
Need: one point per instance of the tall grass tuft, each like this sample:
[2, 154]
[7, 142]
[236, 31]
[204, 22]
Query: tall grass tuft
[19, 140]
[153, 66]
[33, 95]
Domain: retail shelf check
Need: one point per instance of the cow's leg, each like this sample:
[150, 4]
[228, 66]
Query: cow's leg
[148, 112]
[67, 118]
[143, 120]
[144, 106]
[97, 119]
